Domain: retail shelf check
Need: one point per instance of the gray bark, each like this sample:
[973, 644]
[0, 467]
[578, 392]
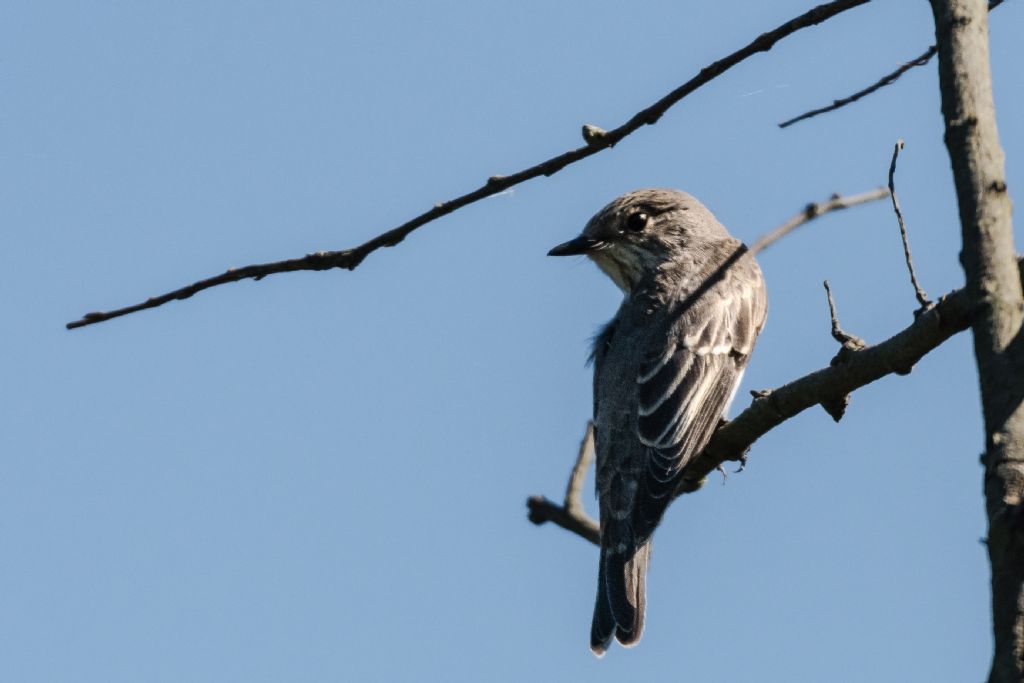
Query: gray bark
[997, 307]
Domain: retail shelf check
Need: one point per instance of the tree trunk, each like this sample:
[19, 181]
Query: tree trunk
[994, 286]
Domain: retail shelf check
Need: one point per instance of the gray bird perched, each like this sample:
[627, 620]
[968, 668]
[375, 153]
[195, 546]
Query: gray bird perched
[665, 369]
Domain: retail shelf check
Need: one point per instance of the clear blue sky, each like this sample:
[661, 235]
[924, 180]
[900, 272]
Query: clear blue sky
[322, 476]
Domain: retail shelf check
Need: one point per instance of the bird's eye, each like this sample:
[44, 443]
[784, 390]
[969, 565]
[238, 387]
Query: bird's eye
[637, 221]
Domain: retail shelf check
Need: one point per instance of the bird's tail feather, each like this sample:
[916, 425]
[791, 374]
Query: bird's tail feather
[621, 596]
[602, 628]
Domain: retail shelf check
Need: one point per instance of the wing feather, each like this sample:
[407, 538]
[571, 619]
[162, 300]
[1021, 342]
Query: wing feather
[684, 390]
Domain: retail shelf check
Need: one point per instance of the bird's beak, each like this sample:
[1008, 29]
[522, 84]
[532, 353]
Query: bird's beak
[575, 247]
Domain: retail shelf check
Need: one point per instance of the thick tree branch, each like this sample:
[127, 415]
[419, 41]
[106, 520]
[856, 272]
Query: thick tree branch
[995, 294]
[769, 409]
[885, 80]
[597, 140]
[933, 327]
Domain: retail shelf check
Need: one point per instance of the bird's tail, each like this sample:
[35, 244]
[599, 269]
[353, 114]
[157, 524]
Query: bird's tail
[621, 595]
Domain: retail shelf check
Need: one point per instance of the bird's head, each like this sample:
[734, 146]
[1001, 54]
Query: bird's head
[643, 232]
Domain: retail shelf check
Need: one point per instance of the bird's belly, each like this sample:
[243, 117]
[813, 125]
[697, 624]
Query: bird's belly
[615, 420]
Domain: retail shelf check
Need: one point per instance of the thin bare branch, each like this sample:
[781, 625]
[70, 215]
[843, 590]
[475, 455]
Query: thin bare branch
[596, 139]
[542, 510]
[889, 78]
[885, 80]
[570, 514]
[849, 341]
[574, 491]
[922, 298]
[815, 210]
[950, 315]
[836, 407]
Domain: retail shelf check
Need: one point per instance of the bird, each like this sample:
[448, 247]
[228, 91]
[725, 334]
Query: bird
[666, 368]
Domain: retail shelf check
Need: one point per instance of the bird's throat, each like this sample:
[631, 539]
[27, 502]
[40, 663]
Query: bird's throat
[624, 268]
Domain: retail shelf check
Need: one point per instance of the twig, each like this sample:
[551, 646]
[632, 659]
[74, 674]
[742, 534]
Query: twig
[923, 59]
[574, 491]
[888, 79]
[570, 514]
[814, 210]
[922, 298]
[849, 341]
[543, 510]
[836, 407]
[596, 139]
[950, 315]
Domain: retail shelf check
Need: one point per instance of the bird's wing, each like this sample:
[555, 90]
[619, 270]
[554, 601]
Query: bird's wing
[684, 389]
